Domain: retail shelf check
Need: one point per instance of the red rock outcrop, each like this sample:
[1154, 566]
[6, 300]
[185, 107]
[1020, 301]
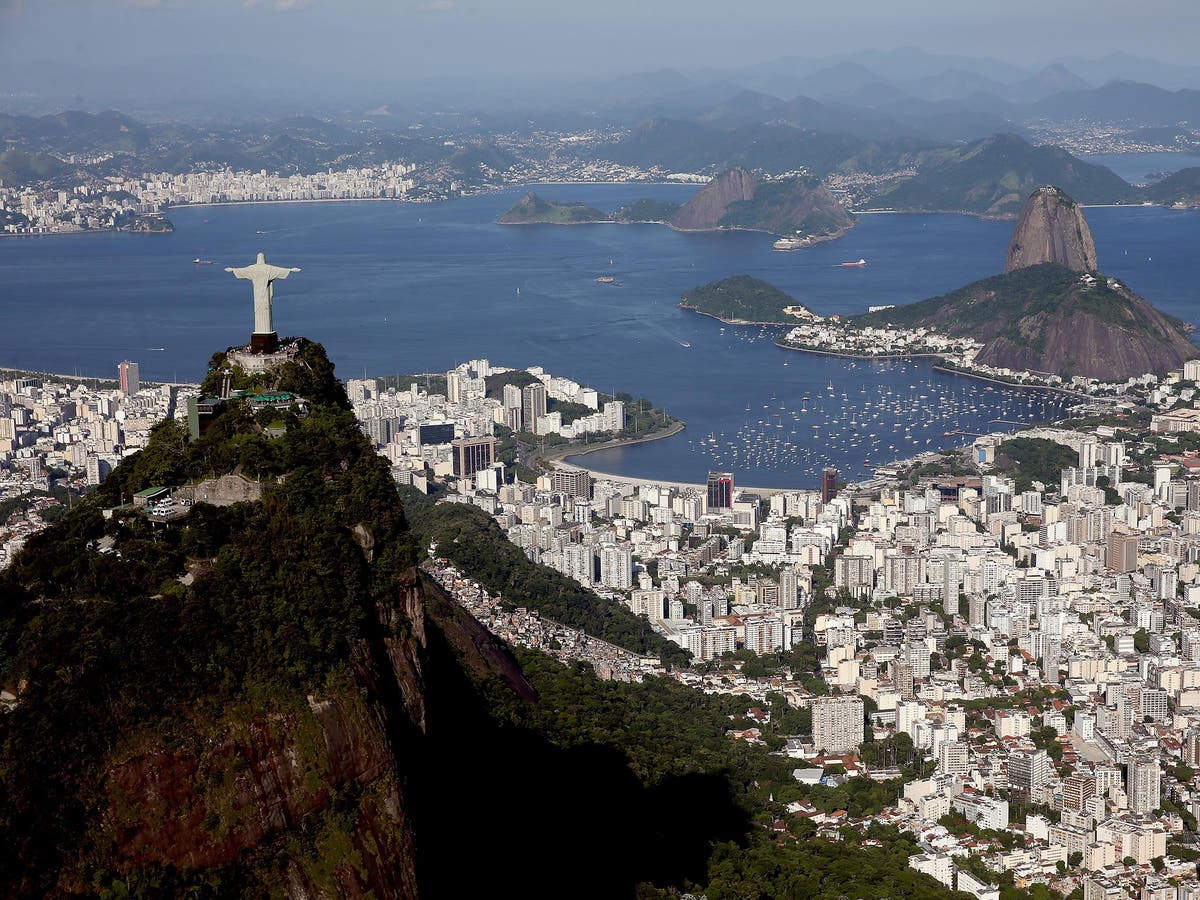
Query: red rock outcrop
[1051, 228]
[705, 211]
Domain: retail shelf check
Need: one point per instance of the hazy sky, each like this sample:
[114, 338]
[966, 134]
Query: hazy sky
[554, 39]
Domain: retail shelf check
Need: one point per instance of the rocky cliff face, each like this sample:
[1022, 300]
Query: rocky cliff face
[263, 773]
[1051, 228]
[1074, 341]
[1050, 319]
[277, 724]
[705, 211]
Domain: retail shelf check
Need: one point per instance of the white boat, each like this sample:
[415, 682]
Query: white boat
[790, 243]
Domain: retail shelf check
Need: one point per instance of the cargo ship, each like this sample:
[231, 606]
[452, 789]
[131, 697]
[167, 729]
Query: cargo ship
[854, 265]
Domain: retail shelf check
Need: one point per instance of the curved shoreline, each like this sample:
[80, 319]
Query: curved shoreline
[568, 453]
[1016, 384]
[745, 322]
[950, 370]
[718, 229]
[868, 356]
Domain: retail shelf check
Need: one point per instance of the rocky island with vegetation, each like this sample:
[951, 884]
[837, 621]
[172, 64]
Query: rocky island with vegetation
[1051, 318]
[1052, 311]
[736, 199]
[534, 210]
[745, 300]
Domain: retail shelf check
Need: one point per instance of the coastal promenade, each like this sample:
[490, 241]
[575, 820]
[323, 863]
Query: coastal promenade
[658, 482]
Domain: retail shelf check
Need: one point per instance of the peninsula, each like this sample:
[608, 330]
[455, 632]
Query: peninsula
[794, 206]
[744, 300]
[1051, 318]
[534, 210]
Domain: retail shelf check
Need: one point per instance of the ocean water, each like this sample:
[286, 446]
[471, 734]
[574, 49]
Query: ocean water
[391, 287]
[1134, 167]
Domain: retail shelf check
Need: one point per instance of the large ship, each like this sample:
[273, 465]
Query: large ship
[854, 265]
[790, 243]
[202, 262]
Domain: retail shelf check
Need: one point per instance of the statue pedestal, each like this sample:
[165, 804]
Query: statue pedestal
[254, 360]
[264, 343]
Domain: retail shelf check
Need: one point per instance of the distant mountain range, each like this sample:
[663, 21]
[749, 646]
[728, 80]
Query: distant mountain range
[916, 94]
[995, 175]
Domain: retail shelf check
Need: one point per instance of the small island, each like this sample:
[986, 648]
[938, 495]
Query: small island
[155, 223]
[745, 300]
[534, 210]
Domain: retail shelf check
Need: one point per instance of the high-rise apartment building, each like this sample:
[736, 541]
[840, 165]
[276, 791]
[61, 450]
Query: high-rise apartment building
[1143, 784]
[616, 567]
[1122, 552]
[576, 483]
[533, 406]
[614, 415]
[720, 490]
[954, 758]
[1028, 771]
[1078, 789]
[837, 724]
[127, 374]
[829, 479]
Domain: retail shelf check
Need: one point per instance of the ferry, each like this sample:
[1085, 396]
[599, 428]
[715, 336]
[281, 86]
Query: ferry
[790, 243]
[853, 265]
[605, 279]
[202, 262]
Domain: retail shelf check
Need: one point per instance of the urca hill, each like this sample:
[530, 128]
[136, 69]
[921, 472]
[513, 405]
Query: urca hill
[1052, 311]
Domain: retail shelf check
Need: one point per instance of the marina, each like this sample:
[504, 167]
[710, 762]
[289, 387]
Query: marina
[872, 426]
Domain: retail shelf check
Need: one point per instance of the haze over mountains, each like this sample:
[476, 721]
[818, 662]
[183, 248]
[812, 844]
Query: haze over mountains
[902, 90]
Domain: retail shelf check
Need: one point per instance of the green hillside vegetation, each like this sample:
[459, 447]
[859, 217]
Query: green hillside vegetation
[679, 145]
[1034, 459]
[788, 206]
[1045, 318]
[648, 211]
[996, 306]
[741, 298]
[1178, 187]
[995, 175]
[672, 736]
[110, 646]
[532, 210]
[472, 541]
[18, 168]
[168, 696]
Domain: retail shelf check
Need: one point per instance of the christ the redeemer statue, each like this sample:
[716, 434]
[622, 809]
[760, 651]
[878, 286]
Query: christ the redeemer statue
[262, 275]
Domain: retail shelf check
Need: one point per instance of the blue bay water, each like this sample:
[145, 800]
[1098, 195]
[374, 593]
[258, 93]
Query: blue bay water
[1134, 167]
[391, 287]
